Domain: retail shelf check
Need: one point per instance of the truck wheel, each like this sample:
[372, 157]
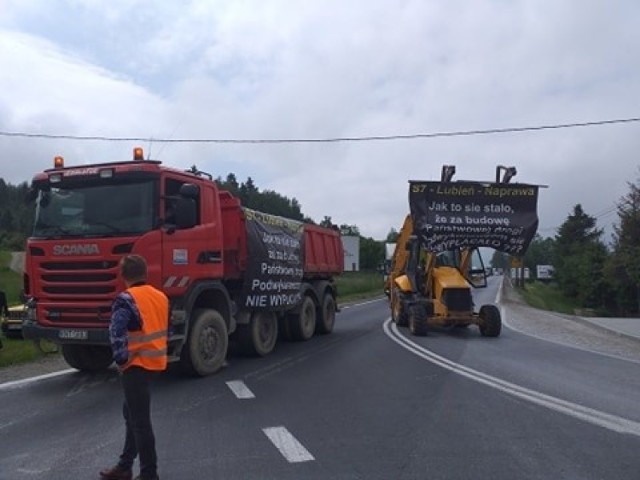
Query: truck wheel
[206, 346]
[327, 314]
[418, 320]
[259, 337]
[399, 311]
[303, 324]
[87, 358]
[284, 328]
[490, 321]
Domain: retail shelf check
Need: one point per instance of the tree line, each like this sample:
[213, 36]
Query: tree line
[593, 273]
[16, 216]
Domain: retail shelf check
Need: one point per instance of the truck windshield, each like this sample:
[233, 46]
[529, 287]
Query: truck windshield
[95, 210]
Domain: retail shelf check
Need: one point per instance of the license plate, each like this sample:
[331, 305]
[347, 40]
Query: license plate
[73, 334]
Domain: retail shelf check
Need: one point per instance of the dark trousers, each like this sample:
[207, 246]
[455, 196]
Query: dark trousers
[137, 416]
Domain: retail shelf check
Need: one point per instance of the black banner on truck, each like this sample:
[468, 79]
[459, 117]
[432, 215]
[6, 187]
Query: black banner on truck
[275, 262]
[456, 215]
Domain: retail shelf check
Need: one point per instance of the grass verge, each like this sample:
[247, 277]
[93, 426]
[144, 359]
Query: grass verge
[359, 285]
[547, 296]
[18, 351]
[10, 281]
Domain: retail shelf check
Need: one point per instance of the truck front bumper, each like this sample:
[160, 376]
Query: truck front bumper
[90, 336]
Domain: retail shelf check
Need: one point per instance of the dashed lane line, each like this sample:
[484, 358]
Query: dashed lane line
[240, 389]
[288, 445]
[290, 448]
[352, 305]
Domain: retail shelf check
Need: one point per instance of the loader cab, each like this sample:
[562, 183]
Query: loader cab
[476, 273]
[469, 262]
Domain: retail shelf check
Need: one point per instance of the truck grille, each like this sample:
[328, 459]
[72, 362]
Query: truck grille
[102, 265]
[78, 292]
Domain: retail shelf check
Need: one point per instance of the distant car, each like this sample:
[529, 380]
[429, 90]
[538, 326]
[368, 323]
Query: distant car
[12, 323]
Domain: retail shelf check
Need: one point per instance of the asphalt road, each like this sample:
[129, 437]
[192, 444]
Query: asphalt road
[367, 402]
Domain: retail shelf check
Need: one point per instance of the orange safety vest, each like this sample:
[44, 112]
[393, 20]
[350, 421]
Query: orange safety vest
[148, 347]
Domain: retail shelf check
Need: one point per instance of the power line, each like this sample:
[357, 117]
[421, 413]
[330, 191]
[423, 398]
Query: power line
[414, 136]
[606, 211]
[602, 214]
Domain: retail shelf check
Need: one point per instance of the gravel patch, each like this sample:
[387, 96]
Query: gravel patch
[565, 329]
[48, 364]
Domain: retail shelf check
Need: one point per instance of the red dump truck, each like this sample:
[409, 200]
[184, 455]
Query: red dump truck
[227, 270]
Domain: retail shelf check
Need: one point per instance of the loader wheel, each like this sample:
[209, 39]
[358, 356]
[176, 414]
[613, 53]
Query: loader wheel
[418, 320]
[490, 321]
[399, 311]
[327, 314]
[259, 337]
[206, 347]
[303, 324]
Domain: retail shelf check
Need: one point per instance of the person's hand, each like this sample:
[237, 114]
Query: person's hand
[123, 366]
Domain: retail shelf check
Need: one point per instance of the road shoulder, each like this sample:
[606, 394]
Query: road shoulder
[565, 329]
[50, 363]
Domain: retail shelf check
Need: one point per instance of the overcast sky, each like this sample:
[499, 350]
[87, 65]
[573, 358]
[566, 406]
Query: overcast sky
[316, 69]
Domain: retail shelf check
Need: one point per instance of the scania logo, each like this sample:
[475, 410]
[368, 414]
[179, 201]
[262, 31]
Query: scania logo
[85, 249]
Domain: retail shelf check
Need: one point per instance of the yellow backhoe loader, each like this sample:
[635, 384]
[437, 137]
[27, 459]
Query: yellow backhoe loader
[429, 285]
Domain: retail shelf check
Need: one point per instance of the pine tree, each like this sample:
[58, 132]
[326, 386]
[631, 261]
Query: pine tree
[579, 259]
[624, 267]
[540, 252]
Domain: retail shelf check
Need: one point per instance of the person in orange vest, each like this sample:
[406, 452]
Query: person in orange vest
[138, 333]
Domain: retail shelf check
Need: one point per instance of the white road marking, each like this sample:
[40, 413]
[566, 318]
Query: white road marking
[289, 447]
[240, 390]
[25, 381]
[368, 302]
[351, 305]
[590, 415]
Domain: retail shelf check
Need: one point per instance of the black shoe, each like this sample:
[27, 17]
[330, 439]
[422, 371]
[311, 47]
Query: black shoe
[116, 473]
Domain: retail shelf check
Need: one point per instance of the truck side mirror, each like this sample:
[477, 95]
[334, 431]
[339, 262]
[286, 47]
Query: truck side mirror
[186, 213]
[189, 190]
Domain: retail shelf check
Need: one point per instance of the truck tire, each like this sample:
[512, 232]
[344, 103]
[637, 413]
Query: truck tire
[399, 310]
[327, 314]
[284, 328]
[206, 347]
[87, 358]
[259, 337]
[490, 321]
[303, 324]
[418, 320]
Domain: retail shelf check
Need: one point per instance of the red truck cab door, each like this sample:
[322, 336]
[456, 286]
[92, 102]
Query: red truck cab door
[190, 254]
